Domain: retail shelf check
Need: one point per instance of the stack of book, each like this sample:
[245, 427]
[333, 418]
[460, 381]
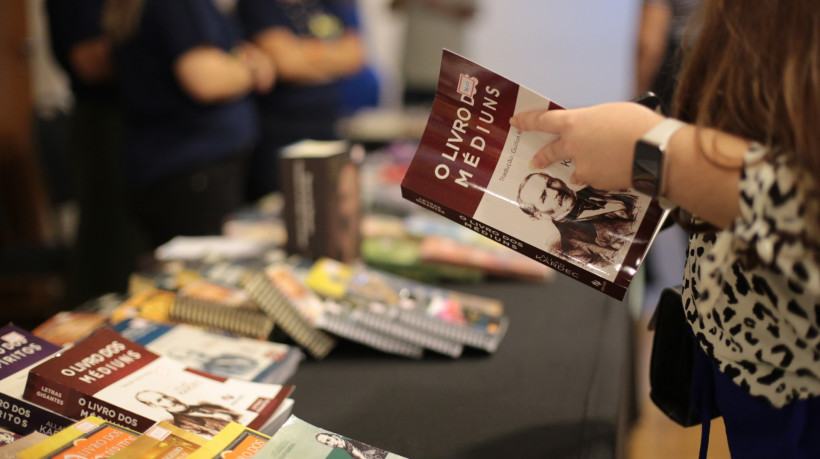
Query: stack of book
[313, 304]
[108, 396]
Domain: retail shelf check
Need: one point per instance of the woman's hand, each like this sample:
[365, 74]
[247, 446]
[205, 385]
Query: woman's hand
[600, 140]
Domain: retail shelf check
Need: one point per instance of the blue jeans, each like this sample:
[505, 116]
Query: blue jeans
[754, 428]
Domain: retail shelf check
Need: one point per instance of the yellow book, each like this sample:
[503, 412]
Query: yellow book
[153, 304]
[233, 441]
[91, 437]
[162, 441]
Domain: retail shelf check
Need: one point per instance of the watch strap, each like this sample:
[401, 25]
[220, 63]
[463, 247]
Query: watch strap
[660, 135]
[662, 132]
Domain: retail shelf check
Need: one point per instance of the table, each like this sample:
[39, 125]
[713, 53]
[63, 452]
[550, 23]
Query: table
[560, 385]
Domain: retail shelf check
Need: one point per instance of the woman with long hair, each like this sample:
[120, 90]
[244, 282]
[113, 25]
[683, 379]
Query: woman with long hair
[742, 161]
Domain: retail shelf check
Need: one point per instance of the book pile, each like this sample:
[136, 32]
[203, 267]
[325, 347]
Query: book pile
[106, 395]
[313, 304]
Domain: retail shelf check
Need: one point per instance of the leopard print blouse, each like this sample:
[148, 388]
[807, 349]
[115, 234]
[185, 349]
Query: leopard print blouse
[752, 292]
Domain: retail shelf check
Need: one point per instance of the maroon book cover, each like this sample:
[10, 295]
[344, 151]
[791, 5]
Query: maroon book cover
[111, 377]
[474, 169]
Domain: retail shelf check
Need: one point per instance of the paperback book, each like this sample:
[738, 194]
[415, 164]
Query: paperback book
[417, 308]
[298, 438]
[10, 450]
[337, 319]
[372, 303]
[472, 167]
[320, 184]
[19, 351]
[109, 376]
[295, 319]
[88, 438]
[210, 304]
[234, 441]
[219, 354]
[162, 441]
[66, 327]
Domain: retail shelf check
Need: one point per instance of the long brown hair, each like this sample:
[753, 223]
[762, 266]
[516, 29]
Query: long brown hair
[752, 68]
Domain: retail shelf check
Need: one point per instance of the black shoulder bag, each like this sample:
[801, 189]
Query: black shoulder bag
[672, 362]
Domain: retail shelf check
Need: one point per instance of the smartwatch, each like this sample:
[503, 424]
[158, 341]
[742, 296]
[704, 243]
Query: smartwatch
[649, 165]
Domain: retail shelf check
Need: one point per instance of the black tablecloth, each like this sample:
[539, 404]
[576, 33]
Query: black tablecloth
[560, 385]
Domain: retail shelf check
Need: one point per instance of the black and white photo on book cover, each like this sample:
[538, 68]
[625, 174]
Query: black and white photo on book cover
[472, 167]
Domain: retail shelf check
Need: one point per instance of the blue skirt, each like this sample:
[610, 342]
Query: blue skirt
[754, 428]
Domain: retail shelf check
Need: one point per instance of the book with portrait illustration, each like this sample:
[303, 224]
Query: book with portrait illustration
[297, 438]
[219, 354]
[118, 380]
[320, 185]
[19, 351]
[472, 167]
[90, 437]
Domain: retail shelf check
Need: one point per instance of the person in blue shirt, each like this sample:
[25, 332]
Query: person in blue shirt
[106, 245]
[186, 77]
[314, 44]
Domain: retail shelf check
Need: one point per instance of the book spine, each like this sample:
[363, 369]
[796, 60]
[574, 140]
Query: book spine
[557, 264]
[23, 418]
[77, 405]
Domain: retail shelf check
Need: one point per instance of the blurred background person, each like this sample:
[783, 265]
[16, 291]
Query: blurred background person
[361, 89]
[430, 26]
[106, 244]
[660, 37]
[313, 44]
[186, 77]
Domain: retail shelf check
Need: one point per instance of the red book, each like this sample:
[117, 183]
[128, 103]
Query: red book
[108, 376]
[473, 168]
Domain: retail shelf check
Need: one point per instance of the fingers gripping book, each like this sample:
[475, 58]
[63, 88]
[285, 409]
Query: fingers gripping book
[472, 167]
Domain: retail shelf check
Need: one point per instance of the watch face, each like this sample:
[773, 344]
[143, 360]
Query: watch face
[646, 168]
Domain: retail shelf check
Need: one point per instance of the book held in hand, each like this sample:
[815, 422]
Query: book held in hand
[111, 377]
[472, 167]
